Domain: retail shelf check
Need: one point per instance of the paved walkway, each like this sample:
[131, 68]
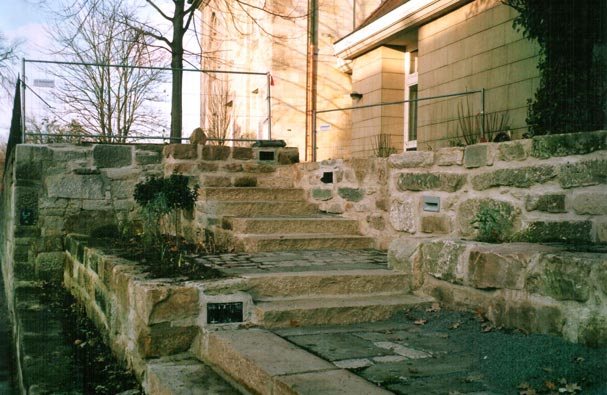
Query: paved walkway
[434, 351]
[295, 261]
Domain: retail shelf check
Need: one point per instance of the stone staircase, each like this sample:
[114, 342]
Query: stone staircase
[275, 219]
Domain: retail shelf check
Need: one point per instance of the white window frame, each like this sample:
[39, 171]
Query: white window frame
[410, 80]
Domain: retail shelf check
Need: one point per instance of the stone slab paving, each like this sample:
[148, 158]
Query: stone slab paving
[296, 261]
[444, 352]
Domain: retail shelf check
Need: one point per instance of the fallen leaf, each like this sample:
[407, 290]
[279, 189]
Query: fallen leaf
[420, 322]
[548, 370]
[487, 327]
[434, 308]
[578, 360]
[550, 385]
[455, 325]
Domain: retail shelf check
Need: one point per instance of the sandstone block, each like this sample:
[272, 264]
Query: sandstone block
[520, 177]
[583, 173]
[163, 339]
[507, 217]
[404, 256]
[26, 205]
[207, 167]
[108, 155]
[256, 167]
[145, 157]
[411, 159]
[181, 151]
[322, 194]
[592, 203]
[450, 156]
[565, 276]
[288, 156]
[444, 259]
[198, 137]
[478, 155]
[351, 194]
[448, 182]
[215, 152]
[376, 221]
[568, 144]
[593, 331]
[514, 150]
[550, 203]
[50, 265]
[156, 303]
[403, 214]
[557, 232]
[242, 153]
[75, 186]
[491, 268]
[528, 314]
[436, 224]
[233, 167]
[245, 181]
[601, 231]
[216, 181]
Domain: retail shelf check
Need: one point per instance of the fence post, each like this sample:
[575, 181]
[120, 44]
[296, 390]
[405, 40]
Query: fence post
[482, 113]
[23, 100]
[269, 81]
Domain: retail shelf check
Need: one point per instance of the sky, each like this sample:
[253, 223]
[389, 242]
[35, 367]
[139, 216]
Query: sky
[24, 20]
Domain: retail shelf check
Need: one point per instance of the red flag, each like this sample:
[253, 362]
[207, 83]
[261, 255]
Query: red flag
[271, 79]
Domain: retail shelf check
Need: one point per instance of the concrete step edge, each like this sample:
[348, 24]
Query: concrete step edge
[339, 301]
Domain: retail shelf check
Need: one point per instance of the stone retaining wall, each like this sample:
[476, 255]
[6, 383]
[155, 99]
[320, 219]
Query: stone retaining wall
[530, 287]
[549, 189]
[142, 318]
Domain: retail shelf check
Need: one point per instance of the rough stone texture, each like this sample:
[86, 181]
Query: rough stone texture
[207, 167]
[450, 156]
[491, 267]
[322, 194]
[156, 303]
[164, 339]
[478, 155]
[258, 167]
[585, 173]
[594, 332]
[528, 314]
[443, 259]
[402, 214]
[563, 277]
[351, 194]
[436, 224]
[601, 231]
[448, 182]
[75, 186]
[245, 181]
[288, 157]
[468, 209]
[568, 144]
[215, 152]
[557, 231]
[216, 181]
[242, 153]
[49, 265]
[411, 159]
[404, 256]
[550, 203]
[593, 203]
[523, 177]
[112, 155]
[376, 221]
[514, 150]
[181, 151]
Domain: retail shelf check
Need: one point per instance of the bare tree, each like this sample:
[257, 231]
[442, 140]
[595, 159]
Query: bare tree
[219, 112]
[107, 100]
[8, 56]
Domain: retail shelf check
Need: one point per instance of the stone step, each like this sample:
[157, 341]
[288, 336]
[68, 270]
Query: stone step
[303, 241]
[293, 224]
[255, 208]
[330, 282]
[251, 194]
[184, 375]
[334, 310]
[266, 364]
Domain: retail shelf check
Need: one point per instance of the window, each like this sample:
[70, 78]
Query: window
[411, 106]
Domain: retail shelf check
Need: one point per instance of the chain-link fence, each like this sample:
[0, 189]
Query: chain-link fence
[76, 102]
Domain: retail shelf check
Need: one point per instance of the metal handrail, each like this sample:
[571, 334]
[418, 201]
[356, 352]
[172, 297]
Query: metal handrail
[464, 93]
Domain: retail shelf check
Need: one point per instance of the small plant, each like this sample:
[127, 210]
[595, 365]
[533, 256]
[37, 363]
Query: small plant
[382, 146]
[163, 198]
[476, 127]
[491, 224]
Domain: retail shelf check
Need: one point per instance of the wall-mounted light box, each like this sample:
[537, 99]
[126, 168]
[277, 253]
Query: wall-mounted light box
[431, 203]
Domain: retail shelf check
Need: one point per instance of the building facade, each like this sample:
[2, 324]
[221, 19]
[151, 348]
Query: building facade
[472, 72]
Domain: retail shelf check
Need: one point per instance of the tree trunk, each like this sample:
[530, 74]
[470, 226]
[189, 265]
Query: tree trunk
[177, 72]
